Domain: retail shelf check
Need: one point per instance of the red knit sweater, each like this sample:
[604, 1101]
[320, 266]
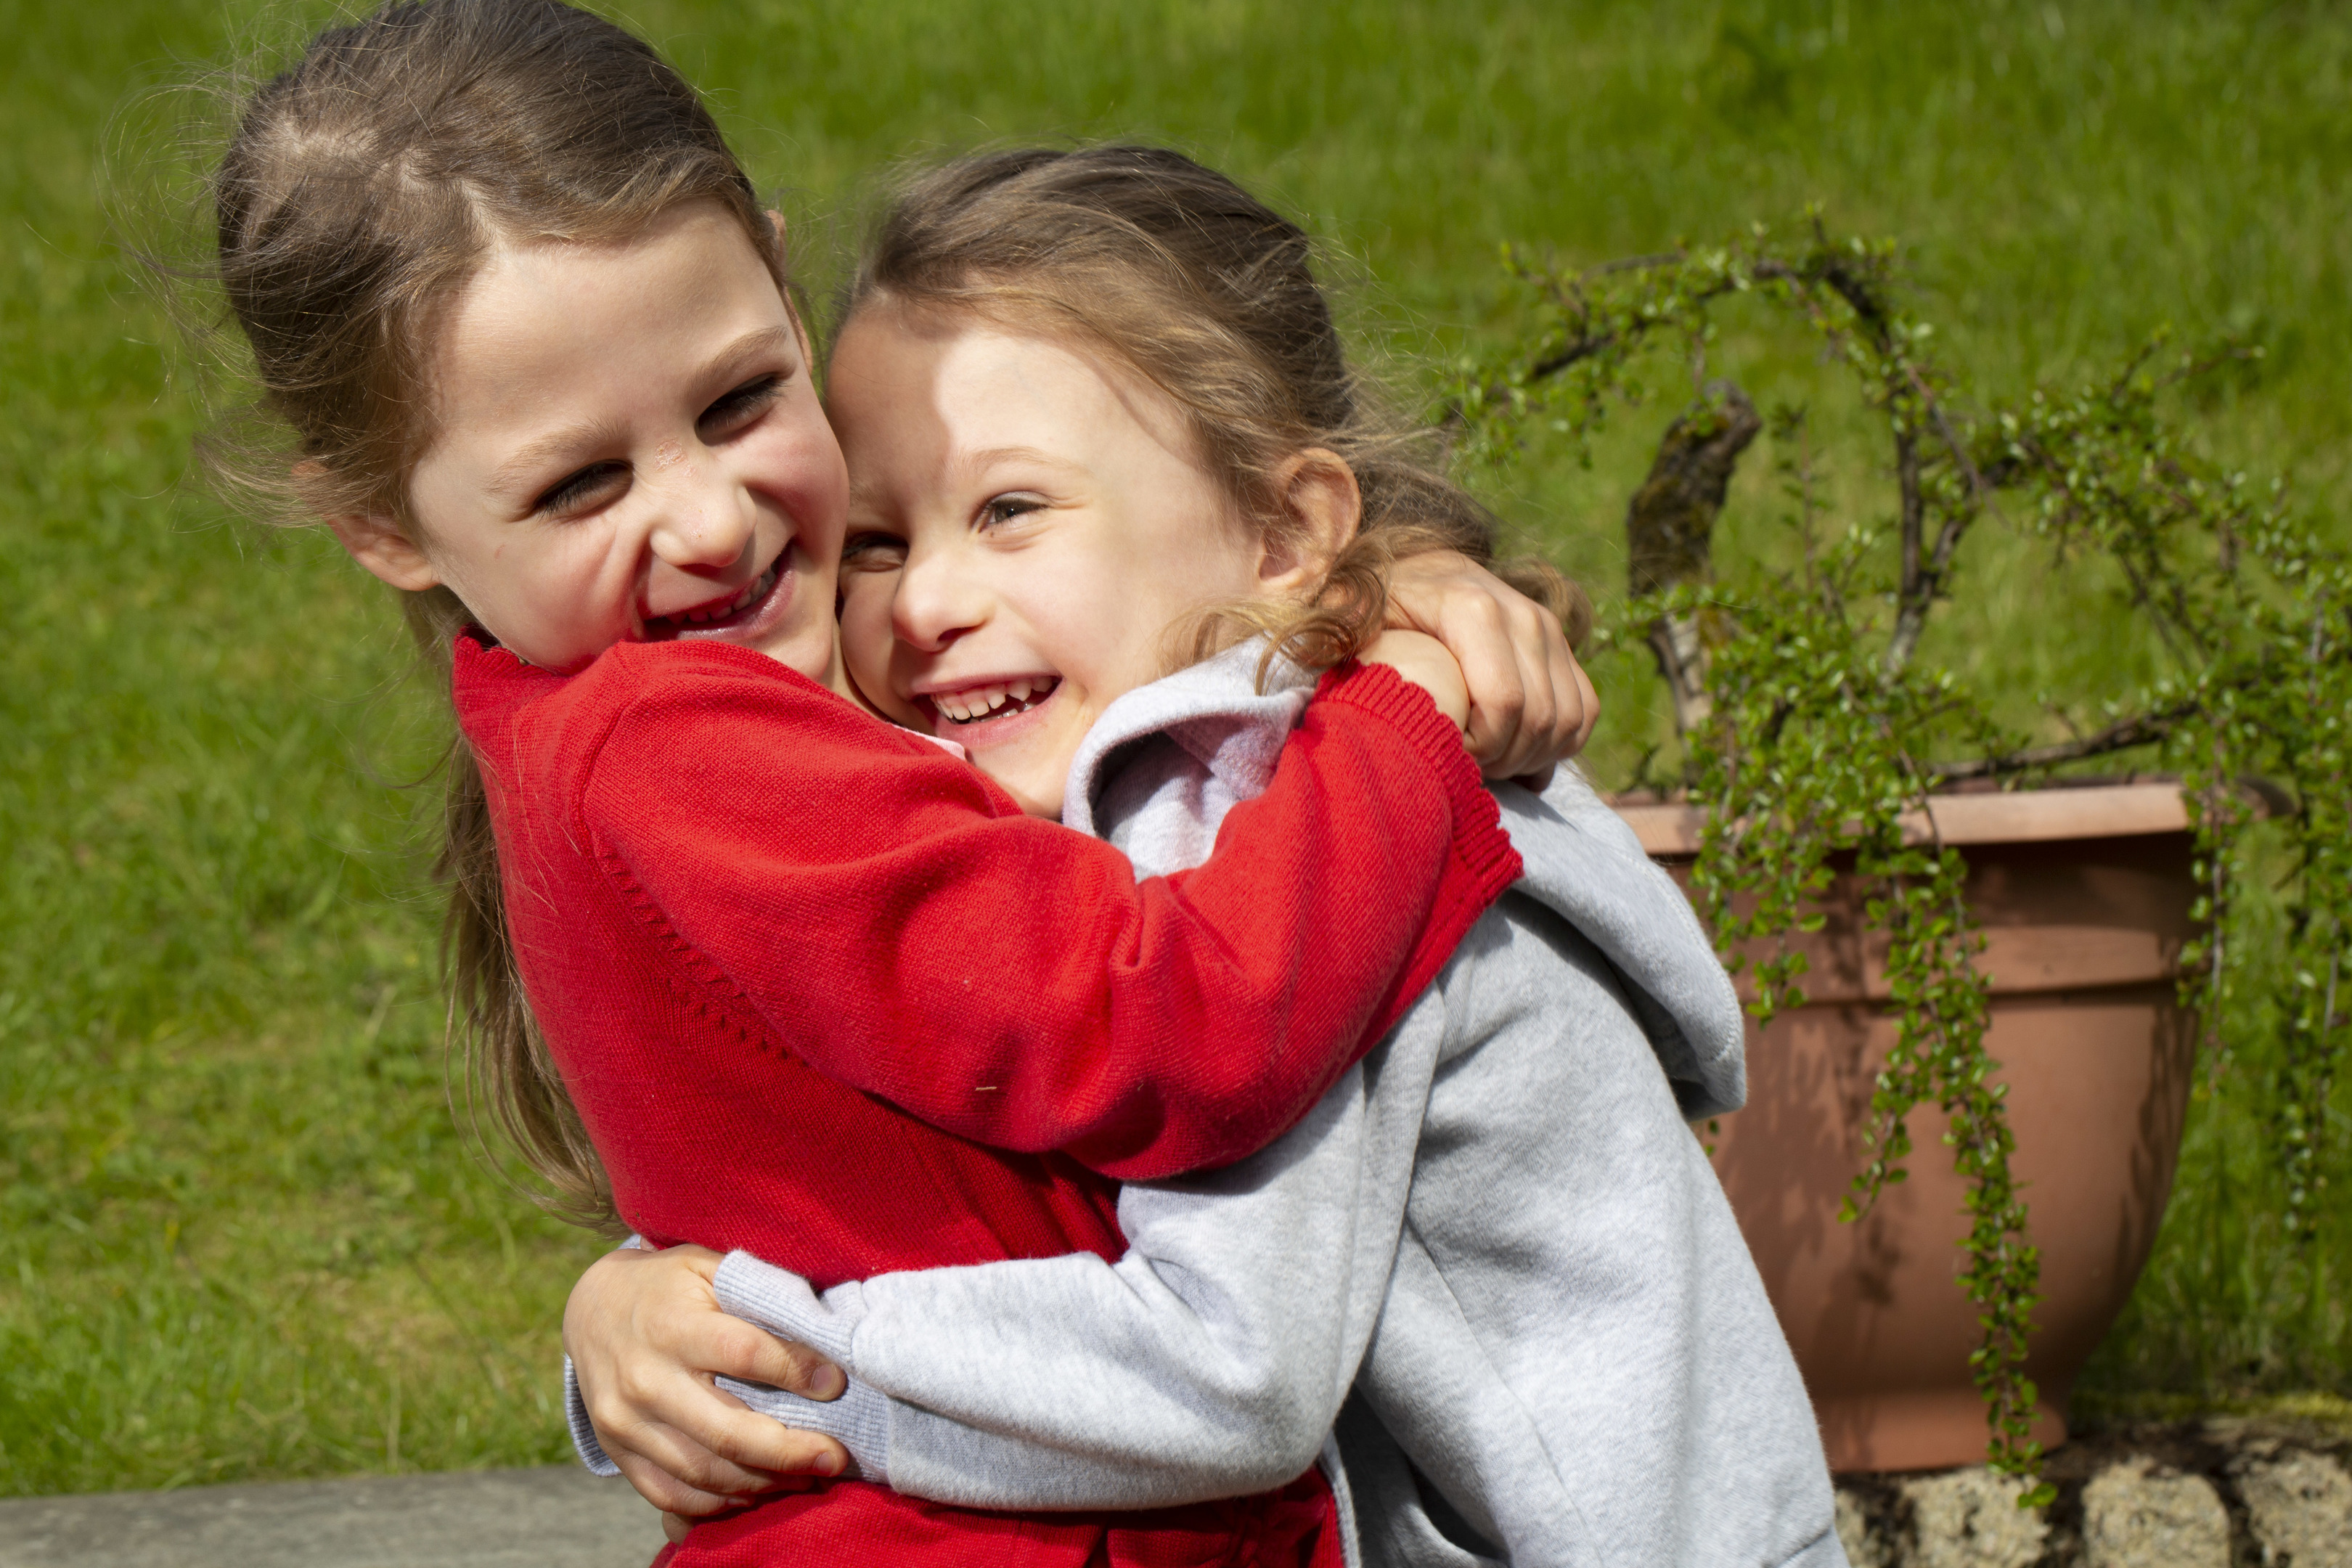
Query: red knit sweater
[821, 992]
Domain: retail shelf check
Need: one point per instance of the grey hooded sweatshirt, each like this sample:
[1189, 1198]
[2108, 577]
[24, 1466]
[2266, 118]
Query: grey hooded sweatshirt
[1493, 1257]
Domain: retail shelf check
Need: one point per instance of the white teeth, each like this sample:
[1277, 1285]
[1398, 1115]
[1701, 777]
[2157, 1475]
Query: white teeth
[980, 701]
[752, 590]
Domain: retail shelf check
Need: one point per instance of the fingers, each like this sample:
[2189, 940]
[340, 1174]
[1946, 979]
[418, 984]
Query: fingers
[687, 1330]
[1471, 612]
[647, 1337]
[1543, 710]
[718, 1448]
[669, 1494]
[674, 1470]
[1579, 706]
[751, 1354]
[1475, 629]
[674, 1528]
[1535, 636]
[707, 1440]
[1531, 704]
[1588, 703]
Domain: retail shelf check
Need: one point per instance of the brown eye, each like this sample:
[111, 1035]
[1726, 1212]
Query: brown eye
[1001, 509]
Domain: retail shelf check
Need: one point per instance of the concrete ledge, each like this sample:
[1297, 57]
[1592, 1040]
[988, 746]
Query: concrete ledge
[560, 1517]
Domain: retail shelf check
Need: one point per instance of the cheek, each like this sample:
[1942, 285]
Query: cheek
[866, 635]
[868, 642]
[819, 482]
[1083, 622]
[536, 581]
[588, 572]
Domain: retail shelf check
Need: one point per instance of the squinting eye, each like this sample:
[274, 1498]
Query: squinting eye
[740, 406]
[872, 552]
[591, 486]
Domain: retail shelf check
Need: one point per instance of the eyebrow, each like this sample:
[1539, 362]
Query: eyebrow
[522, 465]
[864, 492]
[983, 458]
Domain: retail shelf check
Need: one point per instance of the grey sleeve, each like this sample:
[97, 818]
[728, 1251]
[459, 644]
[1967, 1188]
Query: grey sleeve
[1205, 1363]
[583, 1432]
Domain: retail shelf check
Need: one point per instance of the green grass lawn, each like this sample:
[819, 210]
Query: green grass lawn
[239, 1234]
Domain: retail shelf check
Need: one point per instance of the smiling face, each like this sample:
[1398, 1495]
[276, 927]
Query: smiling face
[630, 450]
[1026, 524]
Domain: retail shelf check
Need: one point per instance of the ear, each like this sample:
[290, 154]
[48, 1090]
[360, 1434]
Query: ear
[1319, 492]
[383, 549]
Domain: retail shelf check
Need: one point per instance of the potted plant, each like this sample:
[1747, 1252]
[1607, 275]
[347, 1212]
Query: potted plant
[1944, 936]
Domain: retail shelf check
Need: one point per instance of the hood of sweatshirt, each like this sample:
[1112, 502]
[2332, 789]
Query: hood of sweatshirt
[1580, 859]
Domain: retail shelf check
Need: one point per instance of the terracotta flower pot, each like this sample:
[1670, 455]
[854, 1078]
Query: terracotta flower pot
[2084, 896]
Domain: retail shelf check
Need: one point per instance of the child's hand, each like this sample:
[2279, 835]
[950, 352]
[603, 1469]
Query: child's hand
[1422, 659]
[645, 1337]
[1531, 704]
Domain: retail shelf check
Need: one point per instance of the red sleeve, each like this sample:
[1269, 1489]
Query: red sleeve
[904, 930]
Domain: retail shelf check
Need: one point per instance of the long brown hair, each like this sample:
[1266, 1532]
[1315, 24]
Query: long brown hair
[362, 188]
[1209, 295]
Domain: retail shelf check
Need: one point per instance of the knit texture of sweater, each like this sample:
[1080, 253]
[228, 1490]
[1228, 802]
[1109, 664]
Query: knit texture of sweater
[821, 992]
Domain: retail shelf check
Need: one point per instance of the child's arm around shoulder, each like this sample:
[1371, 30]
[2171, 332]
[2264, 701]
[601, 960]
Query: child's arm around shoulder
[896, 922]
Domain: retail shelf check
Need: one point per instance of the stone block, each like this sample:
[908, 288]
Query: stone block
[2136, 1515]
[2300, 1505]
[1866, 1547]
[1969, 1519]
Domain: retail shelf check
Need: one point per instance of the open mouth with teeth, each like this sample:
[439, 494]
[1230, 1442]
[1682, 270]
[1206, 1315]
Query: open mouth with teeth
[718, 614]
[992, 699]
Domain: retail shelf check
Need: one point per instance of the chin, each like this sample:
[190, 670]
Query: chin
[810, 650]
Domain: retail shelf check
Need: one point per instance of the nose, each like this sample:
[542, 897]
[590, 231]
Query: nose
[936, 601]
[703, 520]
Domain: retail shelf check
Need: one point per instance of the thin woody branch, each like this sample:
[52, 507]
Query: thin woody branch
[1914, 597]
[1831, 272]
[1913, 619]
[2139, 730]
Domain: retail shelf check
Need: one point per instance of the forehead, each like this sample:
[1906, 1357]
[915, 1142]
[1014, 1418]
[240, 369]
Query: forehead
[902, 377]
[544, 315]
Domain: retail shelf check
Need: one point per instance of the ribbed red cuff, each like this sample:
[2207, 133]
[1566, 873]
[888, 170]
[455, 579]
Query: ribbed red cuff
[1480, 844]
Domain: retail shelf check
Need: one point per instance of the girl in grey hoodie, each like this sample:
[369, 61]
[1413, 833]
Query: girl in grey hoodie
[1490, 1282]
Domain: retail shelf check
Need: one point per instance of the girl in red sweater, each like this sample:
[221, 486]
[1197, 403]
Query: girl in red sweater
[740, 963]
